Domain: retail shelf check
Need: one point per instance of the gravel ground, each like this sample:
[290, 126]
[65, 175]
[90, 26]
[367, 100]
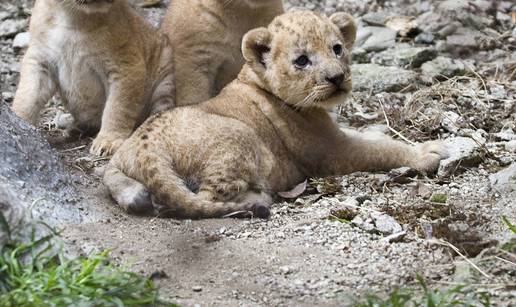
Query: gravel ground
[422, 70]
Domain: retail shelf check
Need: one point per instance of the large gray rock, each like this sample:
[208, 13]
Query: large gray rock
[12, 211]
[463, 152]
[11, 27]
[367, 77]
[30, 168]
[504, 180]
[441, 68]
[377, 38]
[405, 56]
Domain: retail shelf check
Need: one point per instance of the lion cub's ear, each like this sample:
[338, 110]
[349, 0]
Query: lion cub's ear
[255, 44]
[347, 27]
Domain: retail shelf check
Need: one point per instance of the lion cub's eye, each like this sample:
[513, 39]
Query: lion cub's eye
[337, 49]
[302, 61]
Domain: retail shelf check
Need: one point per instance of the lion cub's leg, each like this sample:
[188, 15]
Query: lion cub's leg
[36, 87]
[195, 83]
[375, 151]
[123, 108]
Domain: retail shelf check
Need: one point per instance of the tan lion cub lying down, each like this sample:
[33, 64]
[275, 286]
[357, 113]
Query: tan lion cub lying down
[265, 132]
[108, 64]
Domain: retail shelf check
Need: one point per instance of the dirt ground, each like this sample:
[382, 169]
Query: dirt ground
[402, 224]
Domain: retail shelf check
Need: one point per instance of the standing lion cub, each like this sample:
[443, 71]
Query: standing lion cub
[206, 36]
[265, 132]
[109, 66]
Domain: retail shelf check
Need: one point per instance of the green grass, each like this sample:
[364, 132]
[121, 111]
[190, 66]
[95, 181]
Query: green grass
[461, 295]
[511, 227]
[34, 272]
[439, 198]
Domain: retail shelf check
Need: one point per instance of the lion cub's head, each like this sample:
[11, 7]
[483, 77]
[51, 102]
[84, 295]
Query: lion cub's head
[303, 58]
[89, 6]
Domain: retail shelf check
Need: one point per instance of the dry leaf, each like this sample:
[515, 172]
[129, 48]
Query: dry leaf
[295, 192]
[150, 3]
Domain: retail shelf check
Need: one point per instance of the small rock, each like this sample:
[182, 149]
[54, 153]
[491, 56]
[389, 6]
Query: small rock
[379, 39]
[511, 146]
[196, 288]
[464, 41]
[367, 77]
[7, 96]
[10, 27]
[376, 222]
[64, 121]
[424, 38]
[504, 180]
[376, 18]
[405, 56]
[463, 152]
[386, 224]
[441, 68]
[403, 25]
[21, 40]
[450, 121]
[449, 29]
[285, 270]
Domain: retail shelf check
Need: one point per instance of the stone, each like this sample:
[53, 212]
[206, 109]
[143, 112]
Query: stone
[12, 210]
[21, 40]
[367, 77]
[441, 68]
[424, 38]
[504, 180]
[463, 152]
[380, 38]
[197, 288]
[403, 25]
[463, 41]
[386, 224]
[450, 121]
[376, 18]
[377, 222]
[511, 146]
[32, 170]
[405, 56]
[11, 27]
[64, 121]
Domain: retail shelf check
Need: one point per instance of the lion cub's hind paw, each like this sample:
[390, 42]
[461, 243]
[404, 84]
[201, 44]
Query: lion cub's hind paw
[429, 156]
[136, 200]
[103, 146]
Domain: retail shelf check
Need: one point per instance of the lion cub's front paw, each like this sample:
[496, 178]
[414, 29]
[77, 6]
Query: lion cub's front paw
[105, 145]
[429, 155]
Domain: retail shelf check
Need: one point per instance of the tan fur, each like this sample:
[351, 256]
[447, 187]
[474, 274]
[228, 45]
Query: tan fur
[265, 132]
[206, 37]
[109, 66]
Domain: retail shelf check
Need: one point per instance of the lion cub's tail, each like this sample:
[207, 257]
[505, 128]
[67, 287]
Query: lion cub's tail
[175, 198]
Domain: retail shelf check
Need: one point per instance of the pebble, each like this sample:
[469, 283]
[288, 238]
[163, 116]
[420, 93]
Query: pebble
[197, 289]
[21, 40]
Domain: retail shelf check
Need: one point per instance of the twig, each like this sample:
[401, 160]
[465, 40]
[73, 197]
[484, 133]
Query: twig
[455, 249]
[74, 149]
[392, 129]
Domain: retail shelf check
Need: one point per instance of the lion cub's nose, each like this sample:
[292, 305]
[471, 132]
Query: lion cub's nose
[336, 79]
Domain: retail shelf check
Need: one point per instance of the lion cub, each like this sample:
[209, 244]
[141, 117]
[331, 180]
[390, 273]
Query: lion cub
[206, 36]
[265, 132]
[109, 66]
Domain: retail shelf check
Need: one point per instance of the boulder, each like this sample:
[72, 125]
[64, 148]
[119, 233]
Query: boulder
[31, 170]
[463, 152]
[367, 77]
